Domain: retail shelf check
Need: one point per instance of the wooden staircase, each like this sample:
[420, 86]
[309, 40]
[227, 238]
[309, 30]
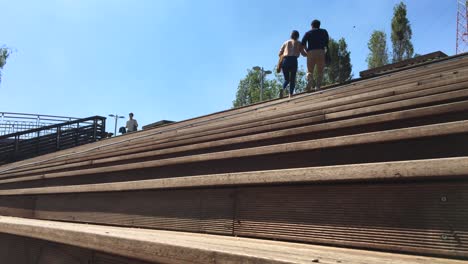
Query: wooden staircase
[377, 165]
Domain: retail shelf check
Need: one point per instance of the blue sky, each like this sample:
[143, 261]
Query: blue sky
[176, 59]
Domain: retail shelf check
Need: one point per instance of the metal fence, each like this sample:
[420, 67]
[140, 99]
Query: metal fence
[46, 139]
[11, 123]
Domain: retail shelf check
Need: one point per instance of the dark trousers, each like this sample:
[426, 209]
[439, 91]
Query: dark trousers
[289, 68]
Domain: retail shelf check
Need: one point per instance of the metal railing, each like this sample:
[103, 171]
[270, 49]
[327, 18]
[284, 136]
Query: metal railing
[42, 140]
[16, 122]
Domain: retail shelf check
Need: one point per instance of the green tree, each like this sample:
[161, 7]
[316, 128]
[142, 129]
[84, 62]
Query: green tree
[248, 91]
[4, 54]
[301, 81]
[338, 71]
[340, 68]
[401, 34]
[378, 52]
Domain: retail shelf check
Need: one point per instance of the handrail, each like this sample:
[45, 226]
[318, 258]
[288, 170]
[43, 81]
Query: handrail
[38, 115]
[37, 141]
[52, 126]
[15, 122]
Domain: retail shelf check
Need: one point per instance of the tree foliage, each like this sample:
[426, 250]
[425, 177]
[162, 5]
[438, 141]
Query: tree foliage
[248, 91]
[401, 34]
[338, 71]
[301, 80]
[4, 54]
[378, 52]
[340, 68]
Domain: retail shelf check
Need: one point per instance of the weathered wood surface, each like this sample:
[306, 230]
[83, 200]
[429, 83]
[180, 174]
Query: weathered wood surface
[448, 168]
[342, 90]
[379, 163]
[329, 115]
[365, 138]
[24, 250]
[405, 63]
[353, 122]
[179, 247]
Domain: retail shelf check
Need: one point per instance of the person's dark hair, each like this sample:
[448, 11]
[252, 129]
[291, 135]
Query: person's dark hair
[295, 34]
[315, 24]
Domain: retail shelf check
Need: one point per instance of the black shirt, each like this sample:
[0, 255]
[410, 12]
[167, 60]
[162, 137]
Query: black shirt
[315, 39]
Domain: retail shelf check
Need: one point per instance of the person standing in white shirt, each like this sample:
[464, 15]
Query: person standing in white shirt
[132, 124]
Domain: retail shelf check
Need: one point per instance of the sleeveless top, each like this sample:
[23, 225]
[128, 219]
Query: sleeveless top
[291, 48]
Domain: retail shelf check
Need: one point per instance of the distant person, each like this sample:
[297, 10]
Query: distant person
[132, 124]
[315, 41]
[289, 52]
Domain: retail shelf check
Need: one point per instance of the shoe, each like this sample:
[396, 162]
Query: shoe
[317, 89]
[281, 94]
[290, 95]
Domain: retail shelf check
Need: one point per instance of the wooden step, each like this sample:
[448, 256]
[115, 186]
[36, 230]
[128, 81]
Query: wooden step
[178, 247]
[432, 67]
[447, 168]
[376, 164]
[408, 206]
[366, 138]
[417, 113]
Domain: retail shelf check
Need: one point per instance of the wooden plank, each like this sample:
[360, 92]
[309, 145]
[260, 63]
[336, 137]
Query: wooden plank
[202, 211]
[400, 95]
[400, 78]
[269, 125]
[407, 217]
[401, 104]
[12, 206]
[452, 64]
[178, 247]
[411, 216]
[397, 170]
[368, 120]
[379, 106]
[257, 119]
[17, 250]
[421, 83]
[288, 116]
[366, 138]
[404, 63]
[24, 250]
